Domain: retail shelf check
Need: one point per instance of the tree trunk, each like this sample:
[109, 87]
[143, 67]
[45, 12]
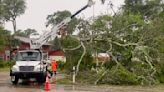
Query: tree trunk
[79, 61]
[97, 61]
[14, 25]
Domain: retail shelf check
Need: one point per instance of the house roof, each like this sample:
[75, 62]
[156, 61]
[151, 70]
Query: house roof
[26, 40]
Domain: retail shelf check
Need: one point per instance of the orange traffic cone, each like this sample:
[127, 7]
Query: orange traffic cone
[46, 86]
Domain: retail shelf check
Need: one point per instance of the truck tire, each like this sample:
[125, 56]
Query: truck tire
[14, 79]
[41, 79]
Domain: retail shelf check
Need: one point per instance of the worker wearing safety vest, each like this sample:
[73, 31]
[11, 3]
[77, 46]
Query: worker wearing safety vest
[52, 68]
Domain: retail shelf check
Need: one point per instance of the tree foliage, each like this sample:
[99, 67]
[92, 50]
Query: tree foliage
[11, 9]
[26, 33]
[59, 16]
[133, 38]
[4, 38]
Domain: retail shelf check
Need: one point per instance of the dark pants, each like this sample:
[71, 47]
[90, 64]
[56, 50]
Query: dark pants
[51, 73]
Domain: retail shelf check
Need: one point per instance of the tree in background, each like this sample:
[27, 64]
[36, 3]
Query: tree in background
[4, 38]
[2, 20]
[12, 9]
[58, 16]
[144, 7]
[26, 33]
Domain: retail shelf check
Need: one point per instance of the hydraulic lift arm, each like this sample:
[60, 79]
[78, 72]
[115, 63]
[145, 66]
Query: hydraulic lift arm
[37, 44]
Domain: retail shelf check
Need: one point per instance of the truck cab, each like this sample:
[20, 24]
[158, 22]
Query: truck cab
[29, 64]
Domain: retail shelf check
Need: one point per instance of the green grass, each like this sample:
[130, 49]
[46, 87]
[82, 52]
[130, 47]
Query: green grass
[5, 66]
[64, 81]
[5, 69]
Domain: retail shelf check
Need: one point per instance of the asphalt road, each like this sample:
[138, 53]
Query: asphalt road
[31, 86]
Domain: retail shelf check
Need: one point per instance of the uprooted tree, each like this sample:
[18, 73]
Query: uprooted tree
[133, 40]
[129, 41]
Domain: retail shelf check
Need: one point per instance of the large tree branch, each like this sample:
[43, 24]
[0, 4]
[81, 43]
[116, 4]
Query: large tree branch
[149, 61]
[79, 61]
[124, 45]
[106, 71]
[75, 48]
[103, 74]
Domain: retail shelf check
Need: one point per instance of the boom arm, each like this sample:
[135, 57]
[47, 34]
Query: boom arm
[37, 44]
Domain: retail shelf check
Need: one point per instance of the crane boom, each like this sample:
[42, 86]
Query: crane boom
[37, 44]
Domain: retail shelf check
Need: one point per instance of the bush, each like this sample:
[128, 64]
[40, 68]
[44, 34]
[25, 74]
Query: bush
[160, 73]
[4, 64]
[60, 65]
[119, 76]
[86, 77]
[144, 73]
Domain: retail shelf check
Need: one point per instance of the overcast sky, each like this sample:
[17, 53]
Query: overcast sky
[37, 11]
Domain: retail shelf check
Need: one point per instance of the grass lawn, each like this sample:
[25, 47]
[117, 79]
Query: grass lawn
[5, 69]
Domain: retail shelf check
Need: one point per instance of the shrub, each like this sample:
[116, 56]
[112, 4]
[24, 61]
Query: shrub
[4, 64]
[160, 73]
[60, 65]
[86, 77]
[119, 76]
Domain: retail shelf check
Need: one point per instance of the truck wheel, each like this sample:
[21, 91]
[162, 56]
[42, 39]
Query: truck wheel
[14, 80]
[41, 79]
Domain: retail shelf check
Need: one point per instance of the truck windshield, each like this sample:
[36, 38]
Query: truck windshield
[28, 56]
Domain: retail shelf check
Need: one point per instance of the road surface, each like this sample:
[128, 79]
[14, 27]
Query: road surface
[6, 86]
